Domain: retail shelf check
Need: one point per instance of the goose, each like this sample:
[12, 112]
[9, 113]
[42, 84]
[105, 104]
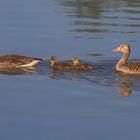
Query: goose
[122, 65]
[17, 61]
[78, 66]
[59, 65]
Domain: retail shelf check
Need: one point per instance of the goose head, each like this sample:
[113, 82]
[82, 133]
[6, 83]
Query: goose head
[124, 48]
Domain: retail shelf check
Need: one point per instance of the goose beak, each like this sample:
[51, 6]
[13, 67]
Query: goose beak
[116, 49]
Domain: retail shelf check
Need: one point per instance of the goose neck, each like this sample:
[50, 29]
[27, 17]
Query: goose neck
[123, 59]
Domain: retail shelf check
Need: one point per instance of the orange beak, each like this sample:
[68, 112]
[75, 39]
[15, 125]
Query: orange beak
[116, 50]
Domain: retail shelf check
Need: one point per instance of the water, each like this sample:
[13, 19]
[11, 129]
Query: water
[42, 104]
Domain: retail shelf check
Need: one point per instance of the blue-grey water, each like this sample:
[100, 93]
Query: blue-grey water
[39, 104]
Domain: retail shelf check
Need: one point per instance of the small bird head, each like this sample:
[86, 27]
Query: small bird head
[53, 59]
[75, 60]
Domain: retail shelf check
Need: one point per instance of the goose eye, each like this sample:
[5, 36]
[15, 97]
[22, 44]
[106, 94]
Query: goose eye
[122, 46]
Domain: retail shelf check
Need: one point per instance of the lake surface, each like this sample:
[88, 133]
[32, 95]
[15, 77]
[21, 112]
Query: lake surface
[40, 104]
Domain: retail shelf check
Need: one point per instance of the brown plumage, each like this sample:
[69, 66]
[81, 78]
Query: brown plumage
[59, 65]
[78, 66]
[17, 61]
[122, 66]
[18, 71]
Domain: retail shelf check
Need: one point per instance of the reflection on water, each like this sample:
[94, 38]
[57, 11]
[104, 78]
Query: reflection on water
[84, 9]
[99, 16]
[104, 76]
[125, 84]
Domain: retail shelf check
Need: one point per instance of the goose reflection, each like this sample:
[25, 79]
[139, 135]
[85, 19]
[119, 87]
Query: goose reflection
[56, 74]
[125, 85]
[104, 76]
[74, 75]
[53, 74]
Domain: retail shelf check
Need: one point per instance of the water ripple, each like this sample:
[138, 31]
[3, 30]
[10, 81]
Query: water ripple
[104, 76]
[114, 17]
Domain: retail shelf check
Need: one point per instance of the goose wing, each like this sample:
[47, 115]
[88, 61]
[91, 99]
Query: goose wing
[18, 60]
[134, 66]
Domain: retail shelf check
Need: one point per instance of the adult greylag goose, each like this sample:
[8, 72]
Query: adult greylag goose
[78, 66]
[122, 65]
[17, 61]
[59, 65]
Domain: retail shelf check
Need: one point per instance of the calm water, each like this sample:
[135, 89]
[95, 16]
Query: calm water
[40, 104]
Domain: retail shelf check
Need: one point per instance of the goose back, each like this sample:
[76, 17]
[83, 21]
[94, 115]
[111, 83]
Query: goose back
[133, 68]
[14, 60]
[84, 67]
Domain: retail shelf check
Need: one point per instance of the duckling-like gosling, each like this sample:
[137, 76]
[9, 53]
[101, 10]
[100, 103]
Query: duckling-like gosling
[78, 66]
[59, 65]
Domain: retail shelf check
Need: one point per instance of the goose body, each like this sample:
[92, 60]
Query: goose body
[78, 66]
[59, 65]
[17, 61]
[122, 65]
